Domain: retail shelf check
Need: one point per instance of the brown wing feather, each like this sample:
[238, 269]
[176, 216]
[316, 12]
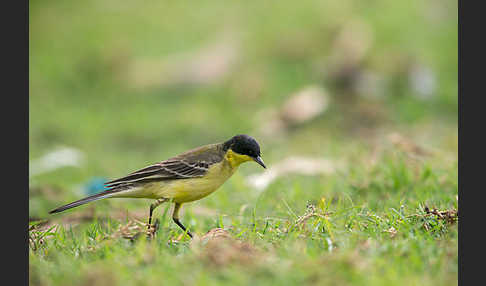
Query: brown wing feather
[191, 164]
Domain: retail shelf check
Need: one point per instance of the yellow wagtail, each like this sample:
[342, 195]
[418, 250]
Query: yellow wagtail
[184, 178]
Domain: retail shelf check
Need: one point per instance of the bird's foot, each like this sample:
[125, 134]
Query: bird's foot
[152, 229]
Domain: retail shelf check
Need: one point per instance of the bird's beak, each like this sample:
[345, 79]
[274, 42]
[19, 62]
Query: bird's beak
[259, 160]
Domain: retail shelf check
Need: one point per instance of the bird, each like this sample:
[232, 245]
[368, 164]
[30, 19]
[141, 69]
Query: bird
[184, 178]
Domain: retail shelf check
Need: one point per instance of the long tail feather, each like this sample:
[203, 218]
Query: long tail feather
[83, 201]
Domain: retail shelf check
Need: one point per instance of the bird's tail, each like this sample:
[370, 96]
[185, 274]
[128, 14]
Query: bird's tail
[83, 201]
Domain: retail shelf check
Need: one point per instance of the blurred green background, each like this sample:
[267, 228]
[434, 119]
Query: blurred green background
[130, 84]
[124, 84]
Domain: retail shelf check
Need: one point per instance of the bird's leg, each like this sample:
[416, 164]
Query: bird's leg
[175, 217]
[152, 207]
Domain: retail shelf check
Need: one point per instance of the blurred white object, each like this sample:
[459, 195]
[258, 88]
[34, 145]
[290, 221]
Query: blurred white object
[305, 105]
[301, 107]
[292, 165]
[423, 81]
[61, 157]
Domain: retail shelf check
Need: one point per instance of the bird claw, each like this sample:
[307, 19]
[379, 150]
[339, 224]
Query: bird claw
[152, 229]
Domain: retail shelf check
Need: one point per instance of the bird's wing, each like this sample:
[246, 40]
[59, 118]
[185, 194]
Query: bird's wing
[191, 164]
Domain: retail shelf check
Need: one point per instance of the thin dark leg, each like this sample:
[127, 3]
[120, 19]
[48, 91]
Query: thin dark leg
[175, 217]
[182, 226]
[152, 207]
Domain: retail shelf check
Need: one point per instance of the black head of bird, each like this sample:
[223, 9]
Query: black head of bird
[245, 145]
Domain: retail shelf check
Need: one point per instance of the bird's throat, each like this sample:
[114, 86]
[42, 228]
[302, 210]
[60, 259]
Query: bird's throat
[235, 159]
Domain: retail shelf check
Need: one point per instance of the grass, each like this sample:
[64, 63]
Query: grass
[386, 215]
[362, 228]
